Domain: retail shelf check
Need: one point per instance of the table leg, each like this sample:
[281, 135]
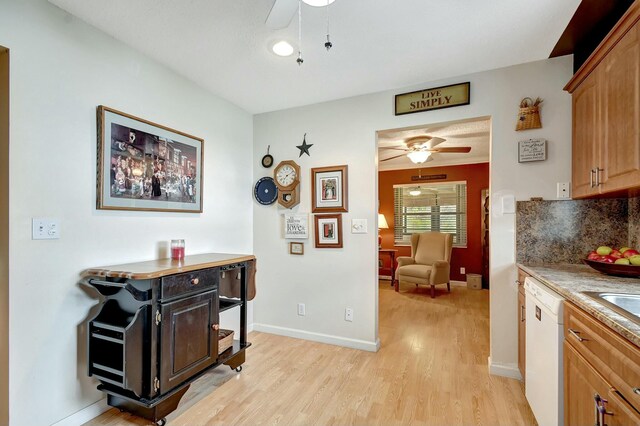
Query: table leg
[393, 270]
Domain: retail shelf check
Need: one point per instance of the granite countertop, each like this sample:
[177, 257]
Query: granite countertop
[571, 280]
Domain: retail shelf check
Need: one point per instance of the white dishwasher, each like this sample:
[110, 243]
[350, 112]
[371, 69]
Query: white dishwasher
[543, 372]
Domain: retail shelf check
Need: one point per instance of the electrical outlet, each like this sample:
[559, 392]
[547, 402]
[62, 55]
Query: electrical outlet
[463, 271]
[45, 228]
[302, 311]
[564, 190]
[348, 314]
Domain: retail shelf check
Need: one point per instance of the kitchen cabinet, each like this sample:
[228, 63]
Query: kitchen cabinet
[522, 323]
[606, 114]
[601, 373]
[157, 328]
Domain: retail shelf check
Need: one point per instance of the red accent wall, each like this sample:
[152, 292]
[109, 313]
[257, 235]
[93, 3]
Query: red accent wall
[477, 177]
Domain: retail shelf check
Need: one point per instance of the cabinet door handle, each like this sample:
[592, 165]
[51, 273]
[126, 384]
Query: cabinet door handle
[598, 170]
[591, 182]
[195, 281]
[576, 334]
[636, 391]
[215, 326]
[522, 317]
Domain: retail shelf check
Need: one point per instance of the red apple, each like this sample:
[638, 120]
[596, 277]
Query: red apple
[630, 252]
[608, 259]
[616, 254]
[593, 256]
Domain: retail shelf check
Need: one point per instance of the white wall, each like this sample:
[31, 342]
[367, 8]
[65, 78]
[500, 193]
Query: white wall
[343, 132]
[61, 69]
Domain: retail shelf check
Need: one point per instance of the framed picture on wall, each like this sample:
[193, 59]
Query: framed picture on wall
[296, 225]
[296, 248]
[329, 186]
[147, 166]
[328, 230]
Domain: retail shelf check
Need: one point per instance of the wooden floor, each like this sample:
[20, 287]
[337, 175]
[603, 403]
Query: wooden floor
[431, 369]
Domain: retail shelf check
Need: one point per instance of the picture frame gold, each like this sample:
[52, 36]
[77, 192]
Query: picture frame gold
[328, 230]
[296, 248]
[330, 189]
[145, 166]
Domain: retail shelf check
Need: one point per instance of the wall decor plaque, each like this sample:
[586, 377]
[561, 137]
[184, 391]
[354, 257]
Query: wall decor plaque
[435, 98]
[296, 225]
[147, 166]
[532, 150]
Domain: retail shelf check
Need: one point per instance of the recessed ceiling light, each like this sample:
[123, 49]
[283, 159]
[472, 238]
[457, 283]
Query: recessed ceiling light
[318, 3]
[282, 48]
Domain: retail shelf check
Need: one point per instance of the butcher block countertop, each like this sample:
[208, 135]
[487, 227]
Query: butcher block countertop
[163, 267]
[571, 280]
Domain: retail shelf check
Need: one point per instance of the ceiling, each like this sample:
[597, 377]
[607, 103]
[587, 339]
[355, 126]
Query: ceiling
[223, 45]
[474, 133]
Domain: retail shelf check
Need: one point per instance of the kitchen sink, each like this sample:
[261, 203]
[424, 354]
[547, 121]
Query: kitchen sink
[627, 305]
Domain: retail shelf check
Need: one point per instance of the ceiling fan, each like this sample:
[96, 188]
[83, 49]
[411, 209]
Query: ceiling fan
[420, 148]
[283, 11]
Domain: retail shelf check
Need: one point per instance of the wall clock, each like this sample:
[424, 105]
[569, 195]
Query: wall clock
[287, 178]
[265, 191]
[267, 160]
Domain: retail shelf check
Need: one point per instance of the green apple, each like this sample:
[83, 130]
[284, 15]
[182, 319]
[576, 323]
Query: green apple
[635, 260]
[623, 249]
[604, 250]
[623, 261]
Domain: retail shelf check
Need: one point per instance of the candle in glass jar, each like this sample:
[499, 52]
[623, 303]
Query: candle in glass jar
[177, 249]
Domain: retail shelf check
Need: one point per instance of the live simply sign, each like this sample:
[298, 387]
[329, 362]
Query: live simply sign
[430, 99]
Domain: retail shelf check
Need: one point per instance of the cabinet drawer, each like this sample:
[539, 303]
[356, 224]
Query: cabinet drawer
[188, 282]
[612, 356]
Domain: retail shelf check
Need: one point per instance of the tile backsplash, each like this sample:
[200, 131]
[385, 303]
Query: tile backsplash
[565, 231]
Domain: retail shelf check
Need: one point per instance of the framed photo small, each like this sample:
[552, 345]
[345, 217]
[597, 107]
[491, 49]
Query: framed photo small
[296, 225]
[296, 248]
[329, 185]
[328, 230]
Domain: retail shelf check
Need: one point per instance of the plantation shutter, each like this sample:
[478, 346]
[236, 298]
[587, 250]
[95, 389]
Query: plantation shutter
[432, 207]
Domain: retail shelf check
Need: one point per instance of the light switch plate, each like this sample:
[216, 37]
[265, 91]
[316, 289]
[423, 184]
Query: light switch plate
[45, 228]
[358, 226]
[508, 204]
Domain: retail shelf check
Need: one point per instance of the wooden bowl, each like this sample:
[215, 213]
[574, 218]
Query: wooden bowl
[614, 268]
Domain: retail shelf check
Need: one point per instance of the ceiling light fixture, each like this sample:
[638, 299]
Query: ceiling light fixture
[282, 48]
[415, 192]
[318, 3]
[418, 157]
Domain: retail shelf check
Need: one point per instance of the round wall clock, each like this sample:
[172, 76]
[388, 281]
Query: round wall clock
[265, 191]
[287, 175]
[267, 160]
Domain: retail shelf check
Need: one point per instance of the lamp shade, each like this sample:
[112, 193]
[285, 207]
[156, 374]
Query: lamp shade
[418, 157]
[382, 222]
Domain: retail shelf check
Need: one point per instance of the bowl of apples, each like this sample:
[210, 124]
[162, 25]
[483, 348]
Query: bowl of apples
[624, 262]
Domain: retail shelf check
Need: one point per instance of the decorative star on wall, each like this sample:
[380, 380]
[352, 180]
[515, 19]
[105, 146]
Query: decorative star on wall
[304, 148]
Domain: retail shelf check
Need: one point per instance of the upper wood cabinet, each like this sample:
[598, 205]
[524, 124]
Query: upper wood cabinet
[606, 114]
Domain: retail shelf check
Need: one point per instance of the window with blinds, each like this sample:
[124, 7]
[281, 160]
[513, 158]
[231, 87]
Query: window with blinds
[440, 207]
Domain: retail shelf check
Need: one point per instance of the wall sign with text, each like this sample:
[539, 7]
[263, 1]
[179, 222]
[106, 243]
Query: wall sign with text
[532, 150]
[435, 98]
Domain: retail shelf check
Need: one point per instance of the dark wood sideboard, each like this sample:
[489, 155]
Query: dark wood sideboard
[157, 327]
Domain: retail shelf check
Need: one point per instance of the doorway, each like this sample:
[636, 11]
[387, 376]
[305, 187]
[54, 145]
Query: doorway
[4, 235]
[445, 192]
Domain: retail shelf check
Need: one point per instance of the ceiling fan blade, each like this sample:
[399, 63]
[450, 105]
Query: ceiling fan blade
[434, 141]
[394, 147]
[391, 158]
[459, 149]
[281, 14]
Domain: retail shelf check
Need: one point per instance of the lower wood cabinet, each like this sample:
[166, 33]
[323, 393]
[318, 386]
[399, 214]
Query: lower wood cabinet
[592, 361]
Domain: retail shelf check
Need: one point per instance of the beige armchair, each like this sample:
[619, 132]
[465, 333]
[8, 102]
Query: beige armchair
[429, 261]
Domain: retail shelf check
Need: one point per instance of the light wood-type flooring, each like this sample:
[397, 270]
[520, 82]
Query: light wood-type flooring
[431, 369]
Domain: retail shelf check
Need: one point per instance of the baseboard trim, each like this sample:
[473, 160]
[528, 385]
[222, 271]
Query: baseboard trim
[319, 337]
[505, 370]
[84, 415]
